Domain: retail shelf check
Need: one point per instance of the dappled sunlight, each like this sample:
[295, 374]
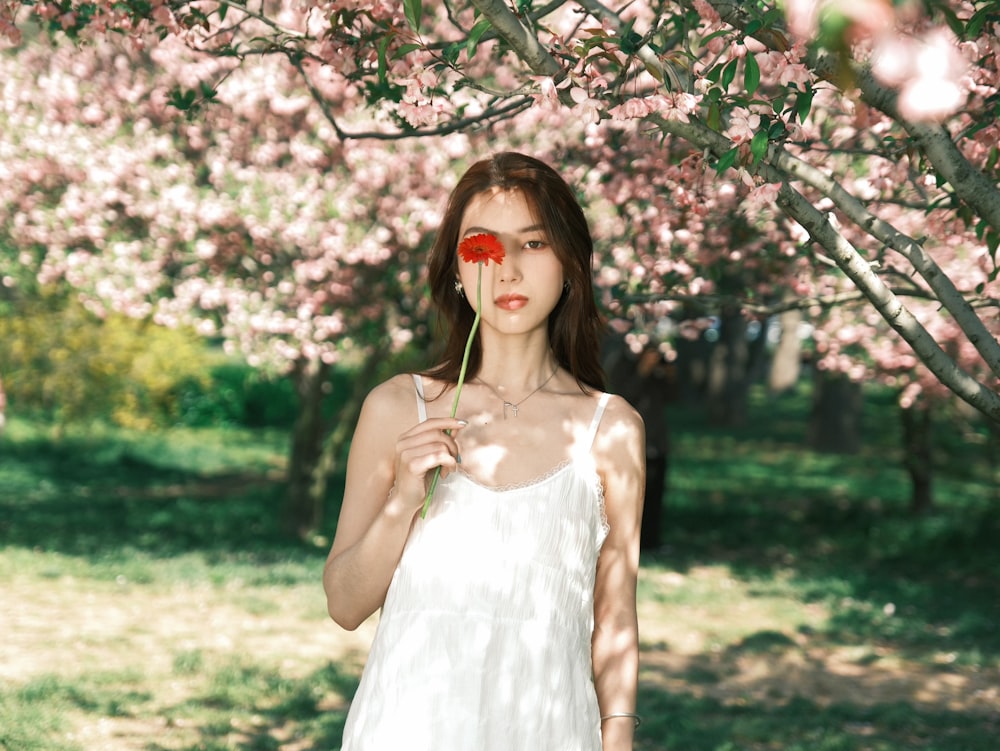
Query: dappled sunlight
[518, 451]
[824, 675]
[454, 631]
[710, 634]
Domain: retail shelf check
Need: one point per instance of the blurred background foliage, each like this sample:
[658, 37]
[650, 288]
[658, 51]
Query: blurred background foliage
[62, 364]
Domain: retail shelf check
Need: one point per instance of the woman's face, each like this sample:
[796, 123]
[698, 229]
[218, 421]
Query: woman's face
[519, 294]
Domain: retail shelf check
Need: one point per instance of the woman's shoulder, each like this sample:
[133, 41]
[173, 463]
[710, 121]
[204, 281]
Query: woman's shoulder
[392, 398]
[618, 409]
[621, 429]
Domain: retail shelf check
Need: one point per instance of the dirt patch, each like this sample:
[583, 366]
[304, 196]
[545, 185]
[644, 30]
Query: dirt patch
[68, 628]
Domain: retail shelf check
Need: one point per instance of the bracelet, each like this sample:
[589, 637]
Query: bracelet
[636, 718]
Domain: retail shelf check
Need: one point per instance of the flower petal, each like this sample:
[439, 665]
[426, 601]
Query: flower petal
[481, 248]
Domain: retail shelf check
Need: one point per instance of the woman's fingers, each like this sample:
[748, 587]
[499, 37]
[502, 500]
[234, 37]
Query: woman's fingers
[440, 431]
[423, 448]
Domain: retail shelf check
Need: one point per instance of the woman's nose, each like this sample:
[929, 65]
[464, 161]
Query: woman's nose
[510, 269]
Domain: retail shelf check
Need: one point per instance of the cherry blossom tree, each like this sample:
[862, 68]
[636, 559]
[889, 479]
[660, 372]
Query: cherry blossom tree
[244, 223]
[837, 157]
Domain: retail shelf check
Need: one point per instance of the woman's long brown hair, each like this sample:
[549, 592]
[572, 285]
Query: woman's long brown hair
[574, 324]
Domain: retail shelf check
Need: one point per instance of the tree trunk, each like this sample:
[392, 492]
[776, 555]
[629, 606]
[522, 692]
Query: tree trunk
[918, 456]
[727, 371]
[343, 428]
[786, 364]
[835, 421]
[302, 513]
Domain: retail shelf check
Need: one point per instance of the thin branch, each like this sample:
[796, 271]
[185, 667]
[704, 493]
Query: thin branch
[942, 285]
[765, 310]
[491, 114]
[851, 262]
[526, 44]
[977, 190]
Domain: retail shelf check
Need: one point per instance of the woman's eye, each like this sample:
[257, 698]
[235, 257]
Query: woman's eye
[535, 244]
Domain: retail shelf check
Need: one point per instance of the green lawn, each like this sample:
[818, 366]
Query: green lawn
[148, 601]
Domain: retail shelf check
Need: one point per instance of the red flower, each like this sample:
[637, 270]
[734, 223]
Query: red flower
[481, 248]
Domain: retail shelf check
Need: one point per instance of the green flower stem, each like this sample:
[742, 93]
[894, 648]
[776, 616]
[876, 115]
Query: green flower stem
[461, 379]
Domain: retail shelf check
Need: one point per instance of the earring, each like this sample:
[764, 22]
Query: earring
[459, 289]
[566, 286]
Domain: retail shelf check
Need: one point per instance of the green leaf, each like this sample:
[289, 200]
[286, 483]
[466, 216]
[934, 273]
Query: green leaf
[720, 33]
[751, 74]
[223, 9]
[382, 47]
[714, 118]
[414, 11]
[758, 145]
[726, 161]
[654, 71]
[952, 19]
[451, 52]
[729, 74]
[475, 35]
[404, 49]
[803, 104]
[992, 242]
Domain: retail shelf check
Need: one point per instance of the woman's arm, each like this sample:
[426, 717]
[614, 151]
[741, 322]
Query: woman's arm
[621, 457]
[387, 470]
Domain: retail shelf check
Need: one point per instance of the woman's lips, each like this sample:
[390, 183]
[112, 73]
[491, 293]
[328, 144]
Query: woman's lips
[511, 302]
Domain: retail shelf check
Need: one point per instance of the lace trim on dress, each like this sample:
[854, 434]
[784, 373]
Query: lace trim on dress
[594, 480]
[599, 492]
[544, 477]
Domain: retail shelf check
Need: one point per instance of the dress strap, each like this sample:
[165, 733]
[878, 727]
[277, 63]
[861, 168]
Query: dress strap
[598, 414]
[418, 385]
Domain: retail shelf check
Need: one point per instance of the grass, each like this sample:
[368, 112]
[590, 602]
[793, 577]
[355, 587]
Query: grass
[796, 604]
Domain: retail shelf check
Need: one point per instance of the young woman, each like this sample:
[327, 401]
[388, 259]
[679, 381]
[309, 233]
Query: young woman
[508, 612]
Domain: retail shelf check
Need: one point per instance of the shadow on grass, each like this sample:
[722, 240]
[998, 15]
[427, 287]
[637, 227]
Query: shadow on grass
[693, 723]
[304, 713]
[838, 528]
[245, 707]
[832, 530]
[920, 582]
[94, 499]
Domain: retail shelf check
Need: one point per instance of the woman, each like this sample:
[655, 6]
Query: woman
[508, 612]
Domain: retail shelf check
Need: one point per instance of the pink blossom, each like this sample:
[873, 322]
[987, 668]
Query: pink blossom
[927, 70]
[707, 12]
[587, 108]
[742, 125]
[630, 109]
[419, 115]
[867, 16]
[762, 196]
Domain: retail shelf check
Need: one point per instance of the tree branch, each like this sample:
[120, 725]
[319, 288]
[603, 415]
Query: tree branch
[858, 270]
[953, 300]
[848, 259]
[892, 310]
[508, 109]
[524, 43]
[977, 190]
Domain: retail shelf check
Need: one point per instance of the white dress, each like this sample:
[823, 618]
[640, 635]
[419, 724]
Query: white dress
[484, 640]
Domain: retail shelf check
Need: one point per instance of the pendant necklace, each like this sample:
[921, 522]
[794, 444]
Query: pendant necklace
[514, 405]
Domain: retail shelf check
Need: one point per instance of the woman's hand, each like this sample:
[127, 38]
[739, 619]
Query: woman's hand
[419, 451]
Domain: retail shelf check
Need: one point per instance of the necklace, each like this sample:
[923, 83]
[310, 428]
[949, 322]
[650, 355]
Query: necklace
[514, 405]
